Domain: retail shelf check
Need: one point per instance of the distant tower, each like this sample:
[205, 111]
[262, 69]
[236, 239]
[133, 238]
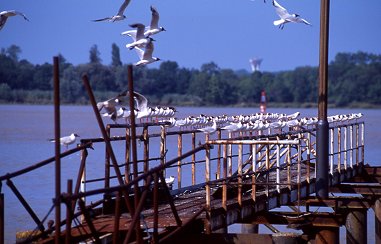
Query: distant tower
[262, 104]
[255, 63]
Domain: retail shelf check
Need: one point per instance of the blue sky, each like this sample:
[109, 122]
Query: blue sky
[227, 32]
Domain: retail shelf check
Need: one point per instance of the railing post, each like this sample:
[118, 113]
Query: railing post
[351, 146]
[127, 168]
[363, 142]
[339, 149]
[357, 144]
[218, 173]
[179, 153]
[239, 167]
[345, 147]
[207, 176]
[162, 146]
[332, 153]
[230, 153]
[254, 168]
[193, 159]
[278, 168]
[107, 161]
[146, 151]
[224, 175]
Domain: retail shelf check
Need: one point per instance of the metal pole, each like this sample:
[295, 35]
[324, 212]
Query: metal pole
[134, 150]
[322, 126]
[69, 213]
[2, 214]
[57, 147]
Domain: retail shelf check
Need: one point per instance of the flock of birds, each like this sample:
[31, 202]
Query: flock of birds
[141, 35]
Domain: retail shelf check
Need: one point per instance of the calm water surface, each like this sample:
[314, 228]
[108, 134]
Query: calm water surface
[24, 134]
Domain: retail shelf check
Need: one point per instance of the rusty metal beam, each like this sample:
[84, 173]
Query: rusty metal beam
[356, 226]
[364, 189]
[300, 220]
[349, 202]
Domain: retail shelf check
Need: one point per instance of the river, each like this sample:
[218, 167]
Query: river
[25, 130]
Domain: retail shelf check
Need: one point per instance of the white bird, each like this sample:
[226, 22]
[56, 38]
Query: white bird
[119, 16]
[109, 106]
[146, 55]
[67, 140]
[9, 13]
[285, 17]
[209, 129]
[154, 27]
[117, 114]
[138, 37]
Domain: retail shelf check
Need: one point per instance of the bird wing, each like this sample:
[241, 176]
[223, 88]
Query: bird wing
[131, 33]
[139, 30]
[3, 20]
[123, 7]
[141, 101]
[154, 19]
[140, 52]
[103, 19]
[281, 11]
[148, 52]
[21, 14]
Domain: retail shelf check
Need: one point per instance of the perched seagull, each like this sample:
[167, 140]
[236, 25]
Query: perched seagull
[154, 26]
[8, 13]
[209, 129]
[138, 37]
[285, 17]
[109, 106]
[146, 55]
[67, 140]
[119, 15]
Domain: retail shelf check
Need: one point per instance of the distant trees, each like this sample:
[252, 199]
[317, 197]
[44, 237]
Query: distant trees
[354, 79]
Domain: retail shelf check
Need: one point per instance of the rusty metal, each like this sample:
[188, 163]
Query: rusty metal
[193, 159]
[106, 138]
[89, 222]
[134, 149]
[2, 217]
[356, 226]
[146, 150]
[377, 220]
[57, 146]
[224, 175]
[162, 145]
[155, 235]
[127, 168]
[239, 197]
[107, 162]
[322, 126]
[170, 200]
[136, 216]
[25, 204]
[115, 238]
[218, 173]
[179, 152]
[69, 213]
[81, 174]
[326, 235]
[207, 177]
[339, 150]
[43, 163]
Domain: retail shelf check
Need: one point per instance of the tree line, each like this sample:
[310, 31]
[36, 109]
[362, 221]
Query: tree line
[354, 80]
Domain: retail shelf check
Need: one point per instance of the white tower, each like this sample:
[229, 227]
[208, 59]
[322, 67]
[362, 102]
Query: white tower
[255, 63]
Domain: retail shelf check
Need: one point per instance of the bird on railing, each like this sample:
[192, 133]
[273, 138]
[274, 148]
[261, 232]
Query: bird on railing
[67, 140]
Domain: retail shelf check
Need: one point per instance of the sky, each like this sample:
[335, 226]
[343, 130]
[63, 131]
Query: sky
[226, 32]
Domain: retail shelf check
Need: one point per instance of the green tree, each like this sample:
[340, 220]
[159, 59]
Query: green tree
[115, 56]
[95, 55]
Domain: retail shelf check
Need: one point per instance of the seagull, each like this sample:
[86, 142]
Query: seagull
[209, 129]
[285, 17]
[110, 105]
[146, 55]
[8, 13]
[117, 114]
[67, 140]
[154, 26]
[119, 15]
[139, 40]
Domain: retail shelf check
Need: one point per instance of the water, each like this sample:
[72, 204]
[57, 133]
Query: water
[24, 131]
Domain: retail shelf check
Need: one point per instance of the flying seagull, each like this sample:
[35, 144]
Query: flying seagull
[119, 16]
[139, 40]
[146, 55]
[154, 26]
[67, 140]
[109, 106]
[285, 17]
[9, 13]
